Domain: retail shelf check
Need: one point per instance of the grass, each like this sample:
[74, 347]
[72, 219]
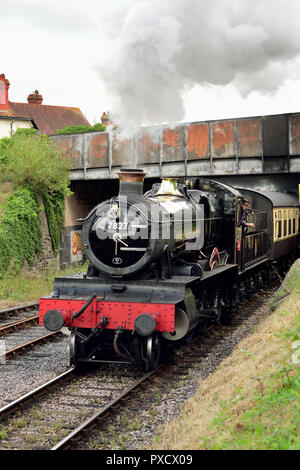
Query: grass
[135, 425]
[260, 426]
[3, 433]
[29, 286]
[252, 400]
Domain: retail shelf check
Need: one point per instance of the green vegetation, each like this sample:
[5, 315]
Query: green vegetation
[33, 170]
[20, 231]
[80, 129]
[3, 433]
[34, 161]
[55, 209]
[252, 400]
[261, 426]
[30, 286]
[135, 424]
[6, 190]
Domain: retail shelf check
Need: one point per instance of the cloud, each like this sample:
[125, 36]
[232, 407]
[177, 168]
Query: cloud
[62, 16]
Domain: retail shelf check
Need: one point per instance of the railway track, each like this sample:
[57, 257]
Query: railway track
[30, 398]
[67, 412]
[22, 315]
[26, 322]
[18, 325]
[66, 407]
[125, 426]
[27, 346]
[17, 309]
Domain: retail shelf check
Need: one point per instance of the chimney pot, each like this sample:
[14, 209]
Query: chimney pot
[105, 119]
[35, 98]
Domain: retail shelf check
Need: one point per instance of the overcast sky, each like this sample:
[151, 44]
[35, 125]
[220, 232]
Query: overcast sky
[154, 61]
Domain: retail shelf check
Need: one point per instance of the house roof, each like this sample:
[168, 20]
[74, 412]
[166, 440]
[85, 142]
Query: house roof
[15, 118]
[48, 119]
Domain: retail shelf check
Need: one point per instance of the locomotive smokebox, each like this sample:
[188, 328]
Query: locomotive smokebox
[131, 183]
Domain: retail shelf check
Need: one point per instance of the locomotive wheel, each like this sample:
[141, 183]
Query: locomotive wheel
[75, 349]
[73, 346]
[153, 351]
[237, 298]
[227, 307]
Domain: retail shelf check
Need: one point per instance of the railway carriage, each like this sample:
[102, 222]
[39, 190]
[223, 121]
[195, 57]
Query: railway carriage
[166, 263]
[282, 211]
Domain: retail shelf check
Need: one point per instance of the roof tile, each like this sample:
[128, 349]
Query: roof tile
[48, 119]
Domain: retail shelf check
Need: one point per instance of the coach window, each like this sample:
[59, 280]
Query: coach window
[284, 227]
[294, 220]
[279, 229]
[278, 224]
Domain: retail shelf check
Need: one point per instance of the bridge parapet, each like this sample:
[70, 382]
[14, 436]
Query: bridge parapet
[243, 146]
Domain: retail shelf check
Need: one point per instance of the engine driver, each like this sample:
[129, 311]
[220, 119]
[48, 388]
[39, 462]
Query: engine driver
[244, 216]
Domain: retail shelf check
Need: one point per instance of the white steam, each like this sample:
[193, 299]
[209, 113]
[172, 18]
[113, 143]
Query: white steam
[159, 49]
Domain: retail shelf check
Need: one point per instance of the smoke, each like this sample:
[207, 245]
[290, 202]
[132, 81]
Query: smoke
[159, 50]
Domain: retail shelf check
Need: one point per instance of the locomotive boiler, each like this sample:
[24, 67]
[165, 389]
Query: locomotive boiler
[129, 233]
[161, 265]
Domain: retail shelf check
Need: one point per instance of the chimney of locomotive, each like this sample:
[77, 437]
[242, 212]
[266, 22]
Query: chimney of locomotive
[131, 183]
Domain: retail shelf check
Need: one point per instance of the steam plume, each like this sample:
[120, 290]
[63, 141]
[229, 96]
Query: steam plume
[161, 48]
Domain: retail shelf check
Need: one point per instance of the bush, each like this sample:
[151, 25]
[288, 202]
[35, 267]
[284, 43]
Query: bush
[20, 231]
[25, 131]
[35, 161]
[80, 129]
[55, 210]
[36, 167]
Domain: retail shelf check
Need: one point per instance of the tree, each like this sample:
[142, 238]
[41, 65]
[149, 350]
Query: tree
[35, 161]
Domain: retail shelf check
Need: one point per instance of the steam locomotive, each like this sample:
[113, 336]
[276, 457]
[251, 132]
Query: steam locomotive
[165, 263]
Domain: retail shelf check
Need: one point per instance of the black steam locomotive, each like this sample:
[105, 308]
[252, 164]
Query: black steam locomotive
[163, 263]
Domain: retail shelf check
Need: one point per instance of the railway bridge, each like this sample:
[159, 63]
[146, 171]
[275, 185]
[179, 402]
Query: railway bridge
[255, 152]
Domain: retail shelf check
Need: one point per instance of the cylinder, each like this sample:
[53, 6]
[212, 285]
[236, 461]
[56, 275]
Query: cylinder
[181, 327]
